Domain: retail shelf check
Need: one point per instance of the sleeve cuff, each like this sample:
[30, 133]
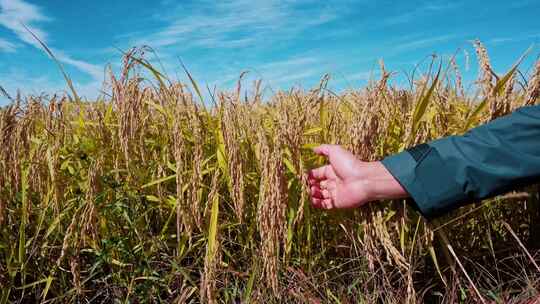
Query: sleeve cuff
[402, 166]
[428, 180]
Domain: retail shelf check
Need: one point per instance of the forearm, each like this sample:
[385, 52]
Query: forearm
[488, 160]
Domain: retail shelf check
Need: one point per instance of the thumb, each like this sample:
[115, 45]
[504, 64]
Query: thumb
[334, 152]
[341, 159]
[323, 150]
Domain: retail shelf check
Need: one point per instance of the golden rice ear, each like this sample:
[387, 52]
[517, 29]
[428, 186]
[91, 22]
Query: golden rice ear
[486, 76]
[231, 133]
[272, 205]
[496, 92]
[533, 88]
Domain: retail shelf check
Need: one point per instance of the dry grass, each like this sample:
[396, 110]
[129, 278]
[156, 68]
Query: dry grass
[152, 196]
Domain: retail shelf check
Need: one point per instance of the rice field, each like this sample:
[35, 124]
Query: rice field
[157, 193]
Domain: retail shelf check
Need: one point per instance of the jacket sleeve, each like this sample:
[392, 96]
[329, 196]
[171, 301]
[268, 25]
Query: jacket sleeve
[488, 160]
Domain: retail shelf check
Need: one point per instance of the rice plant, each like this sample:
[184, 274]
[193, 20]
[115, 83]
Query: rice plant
[151, 195]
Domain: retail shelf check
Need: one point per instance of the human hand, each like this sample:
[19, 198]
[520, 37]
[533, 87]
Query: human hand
[348, 182]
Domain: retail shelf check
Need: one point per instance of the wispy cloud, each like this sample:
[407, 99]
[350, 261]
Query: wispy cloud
[293, 70]
[234, 23]
[519, 4]
[361, 76]
[421, 10]
[291, 63]
[242, 26]
[15, 79]
[283, 42]
[276, 74]
[96, 71]
[7, 46]
[516, 38]
[423, 42]
[15, 15]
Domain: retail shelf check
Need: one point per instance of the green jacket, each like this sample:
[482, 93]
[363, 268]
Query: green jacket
[488, 160]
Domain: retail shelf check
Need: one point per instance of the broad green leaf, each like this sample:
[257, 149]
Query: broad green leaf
[422, 105]
[222, 159]
[213, 227]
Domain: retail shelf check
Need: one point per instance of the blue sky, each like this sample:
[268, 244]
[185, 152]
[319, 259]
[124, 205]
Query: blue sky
[285, 43]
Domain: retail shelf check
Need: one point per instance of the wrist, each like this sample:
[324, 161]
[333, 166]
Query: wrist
[381, 184]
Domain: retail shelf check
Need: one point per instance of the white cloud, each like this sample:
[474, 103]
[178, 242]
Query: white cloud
[14, 14]
[234, 23]
[282, 73]
[242, 27]
[96, 71]
[7, 46]
[18, 14]
[17, 79]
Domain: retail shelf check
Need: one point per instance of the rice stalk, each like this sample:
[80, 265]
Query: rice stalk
[149, 196]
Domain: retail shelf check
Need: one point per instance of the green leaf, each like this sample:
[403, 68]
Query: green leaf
[310, 146]
[109, 114]
[435, 262]
[159, 108]
[160, 78]
[47, 287]
[422, 105]
[33, 284]
[194, 83]
[159, 181]
[313, 131]
[152, 198]
[213, 228]
[389, 215]
[251, 281]
[332, 296]
[289, 165]
[50, 53]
